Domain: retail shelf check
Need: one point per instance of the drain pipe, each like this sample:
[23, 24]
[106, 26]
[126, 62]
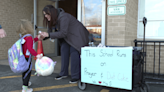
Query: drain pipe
[35, 20]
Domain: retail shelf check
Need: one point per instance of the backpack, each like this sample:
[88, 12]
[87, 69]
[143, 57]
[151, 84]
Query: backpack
[16, 58]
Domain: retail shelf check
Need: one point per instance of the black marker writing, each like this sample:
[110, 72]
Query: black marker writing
[103, 64]
[89, 73]
[105, 83]
[105, 54]
[89, 54]
[119, 54]
[101, 75]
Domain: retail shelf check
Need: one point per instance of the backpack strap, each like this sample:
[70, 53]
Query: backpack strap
[29, 60]
[26, 35]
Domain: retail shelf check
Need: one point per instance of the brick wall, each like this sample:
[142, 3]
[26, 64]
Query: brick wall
[11, 11]
[131, 22]
[122, 30]
[115, 33]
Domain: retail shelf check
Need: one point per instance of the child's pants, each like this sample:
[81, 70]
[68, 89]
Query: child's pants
[26, 80]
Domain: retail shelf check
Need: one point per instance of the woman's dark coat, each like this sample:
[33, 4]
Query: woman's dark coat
[73, 31]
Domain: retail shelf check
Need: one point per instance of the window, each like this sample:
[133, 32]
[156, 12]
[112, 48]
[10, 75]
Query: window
[92, 18]
[153, 10]
[92, 14]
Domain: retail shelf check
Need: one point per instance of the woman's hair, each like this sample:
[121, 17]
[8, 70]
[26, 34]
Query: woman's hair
[52, 11]
[25, 27]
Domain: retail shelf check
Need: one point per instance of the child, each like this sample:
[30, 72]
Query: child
[24, 28]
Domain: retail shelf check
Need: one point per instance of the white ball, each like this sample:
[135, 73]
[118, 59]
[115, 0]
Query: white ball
[44, 66]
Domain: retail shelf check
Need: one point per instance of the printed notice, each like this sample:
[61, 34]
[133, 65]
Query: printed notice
[116, 10]
[116, 2]
[110, 66]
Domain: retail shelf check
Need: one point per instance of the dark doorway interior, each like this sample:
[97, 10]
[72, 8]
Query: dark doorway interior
[69, 6]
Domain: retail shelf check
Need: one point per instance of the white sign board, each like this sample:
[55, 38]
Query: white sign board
[116, 2]
[110, 66]
[116, 10]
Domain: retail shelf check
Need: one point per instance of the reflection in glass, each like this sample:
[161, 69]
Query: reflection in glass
[153, 29]
[152, 9]
[142, 9]
[91, 19]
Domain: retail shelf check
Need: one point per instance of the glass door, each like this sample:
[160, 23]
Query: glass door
[90, 14]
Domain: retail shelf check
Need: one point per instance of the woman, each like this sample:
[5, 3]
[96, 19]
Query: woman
[72, 36]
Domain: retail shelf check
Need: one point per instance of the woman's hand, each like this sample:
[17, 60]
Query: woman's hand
[44, 34]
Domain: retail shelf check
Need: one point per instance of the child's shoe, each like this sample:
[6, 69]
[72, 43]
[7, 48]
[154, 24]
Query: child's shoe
[29, 83]
[26, 89]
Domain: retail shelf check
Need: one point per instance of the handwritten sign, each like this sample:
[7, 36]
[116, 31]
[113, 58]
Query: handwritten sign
[110, 66]
[116, 10]
[116, 2]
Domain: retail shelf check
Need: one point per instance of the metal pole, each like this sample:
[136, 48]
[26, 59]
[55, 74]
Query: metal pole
[56, 40]
[35, 19]
[145, 57]
[135, 42]
[154, 61]
[103, 22]
[159, 58]
[144, 22]
[56, 4]
[79, 11]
